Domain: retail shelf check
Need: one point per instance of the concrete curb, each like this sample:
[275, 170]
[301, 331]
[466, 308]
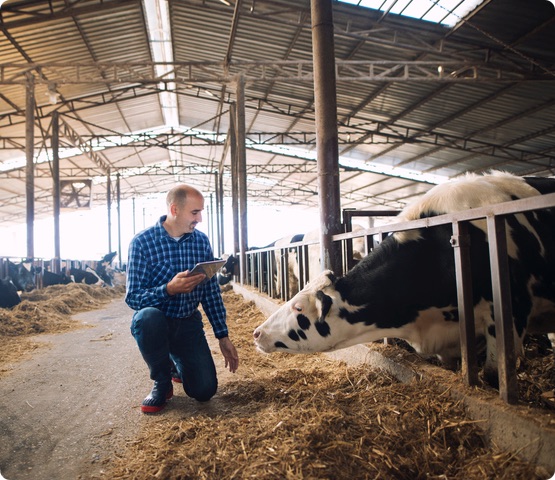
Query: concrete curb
[527, 432]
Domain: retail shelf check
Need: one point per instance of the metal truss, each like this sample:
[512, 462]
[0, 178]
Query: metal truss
[272, 70]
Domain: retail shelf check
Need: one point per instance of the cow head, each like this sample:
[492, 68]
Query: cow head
[312, 321]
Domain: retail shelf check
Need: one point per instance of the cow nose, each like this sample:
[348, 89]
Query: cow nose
[256, 334]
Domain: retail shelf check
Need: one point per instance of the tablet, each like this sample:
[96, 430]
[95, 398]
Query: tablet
[208, 268]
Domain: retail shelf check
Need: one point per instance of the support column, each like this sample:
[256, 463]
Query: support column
[30, 166]
[109, 207]
[234, 179]
[325, 104]
[56, 267]
[242, 176]
[118, 199]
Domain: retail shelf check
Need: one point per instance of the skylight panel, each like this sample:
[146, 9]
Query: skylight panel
[445, 12]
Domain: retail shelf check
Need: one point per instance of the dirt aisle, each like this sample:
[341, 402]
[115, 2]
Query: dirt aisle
[66, 410]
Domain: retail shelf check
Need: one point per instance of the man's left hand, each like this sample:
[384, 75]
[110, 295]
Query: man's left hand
[230, 354]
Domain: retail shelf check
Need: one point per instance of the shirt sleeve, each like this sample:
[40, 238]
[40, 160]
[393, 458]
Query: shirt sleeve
[139, 293]
[213, 304]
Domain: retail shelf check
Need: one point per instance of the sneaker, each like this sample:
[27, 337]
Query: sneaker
[157, 398]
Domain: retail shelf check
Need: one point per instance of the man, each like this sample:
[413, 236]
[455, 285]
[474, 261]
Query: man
[167, 324]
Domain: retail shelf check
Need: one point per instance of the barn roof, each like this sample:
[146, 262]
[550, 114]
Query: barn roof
[143, 91]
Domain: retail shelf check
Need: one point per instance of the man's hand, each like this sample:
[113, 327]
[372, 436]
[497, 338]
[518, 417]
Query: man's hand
[184, 282]
[230, 354]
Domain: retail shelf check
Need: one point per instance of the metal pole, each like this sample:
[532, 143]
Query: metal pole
[109, 206]
[118, 190]
[242, 175]
[56, 267]
[325, 104]
[234, 180]
[30, 166]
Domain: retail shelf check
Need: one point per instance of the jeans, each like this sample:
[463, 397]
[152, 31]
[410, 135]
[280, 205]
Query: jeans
[162, 339]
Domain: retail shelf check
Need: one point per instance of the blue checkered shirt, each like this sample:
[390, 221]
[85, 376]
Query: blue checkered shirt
[155, 258]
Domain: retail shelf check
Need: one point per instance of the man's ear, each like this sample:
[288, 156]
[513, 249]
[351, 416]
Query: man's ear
[173, 209]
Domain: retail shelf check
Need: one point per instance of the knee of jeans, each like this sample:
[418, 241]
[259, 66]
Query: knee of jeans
[146, 319]
[202, 393]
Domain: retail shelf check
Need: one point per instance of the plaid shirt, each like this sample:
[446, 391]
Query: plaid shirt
[155, 258]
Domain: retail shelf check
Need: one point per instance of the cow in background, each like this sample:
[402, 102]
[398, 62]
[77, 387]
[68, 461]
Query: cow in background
[228, 270]
[50, 278]
[22, 277]
[105, 270]
[8, 294]
[87, 275]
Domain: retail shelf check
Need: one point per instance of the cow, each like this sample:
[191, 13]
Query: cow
[9, 297]
[87, 275]
[50, 278]
[21, 276]
[405, 287]
[104, 268]
[228, 269]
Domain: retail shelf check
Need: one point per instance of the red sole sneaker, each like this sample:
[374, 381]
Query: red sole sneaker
[177, 380]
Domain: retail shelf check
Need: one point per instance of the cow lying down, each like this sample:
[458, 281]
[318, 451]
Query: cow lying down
[405, 288]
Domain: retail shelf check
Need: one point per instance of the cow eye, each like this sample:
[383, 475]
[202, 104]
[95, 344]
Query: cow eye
[297, 307]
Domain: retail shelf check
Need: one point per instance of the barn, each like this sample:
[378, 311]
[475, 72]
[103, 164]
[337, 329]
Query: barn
[346, 112]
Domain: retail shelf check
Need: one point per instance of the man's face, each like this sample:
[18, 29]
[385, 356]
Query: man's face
[190, 214]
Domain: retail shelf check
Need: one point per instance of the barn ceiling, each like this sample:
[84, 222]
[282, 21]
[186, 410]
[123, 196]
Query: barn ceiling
[143, 92]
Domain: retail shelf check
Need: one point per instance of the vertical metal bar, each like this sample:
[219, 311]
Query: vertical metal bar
[118, 200]
[109, 207]
[30, 165]
[56, 267]
[461, 248]
[234, 180]
[242, 172]
[325, 104]
[502, 308]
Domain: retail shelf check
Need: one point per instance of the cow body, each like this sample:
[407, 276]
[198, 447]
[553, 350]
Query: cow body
[50, 278]
[406, 288]
[8, 294]
[87, 275]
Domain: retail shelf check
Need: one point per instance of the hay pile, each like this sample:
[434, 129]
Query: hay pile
[305, 417]
[47, 310]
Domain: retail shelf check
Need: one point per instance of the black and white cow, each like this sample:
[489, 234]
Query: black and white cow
[228, 270]
[87, 275]
[105, 270]
[8, 294]
[21, 276]
[405, 288]
[50, 278]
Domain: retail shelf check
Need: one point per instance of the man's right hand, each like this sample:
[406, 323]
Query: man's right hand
[184, 282]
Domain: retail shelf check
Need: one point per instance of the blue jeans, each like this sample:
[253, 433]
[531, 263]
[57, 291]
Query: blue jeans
[162, 339]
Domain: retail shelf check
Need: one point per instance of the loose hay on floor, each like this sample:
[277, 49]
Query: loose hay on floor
[47, 310]
[306, 417]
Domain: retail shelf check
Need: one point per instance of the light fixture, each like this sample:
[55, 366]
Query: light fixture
[225, 2]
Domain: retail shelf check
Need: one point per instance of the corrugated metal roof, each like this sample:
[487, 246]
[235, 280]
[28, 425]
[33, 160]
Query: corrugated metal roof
[493, 106]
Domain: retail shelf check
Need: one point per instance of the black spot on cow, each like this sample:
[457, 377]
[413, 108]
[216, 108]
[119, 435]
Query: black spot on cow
[303, 321]
[280, 345]
[451, 315]
[491, 330]
[293, 335]
[301, 334]
[326, 303]
[323, 328]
